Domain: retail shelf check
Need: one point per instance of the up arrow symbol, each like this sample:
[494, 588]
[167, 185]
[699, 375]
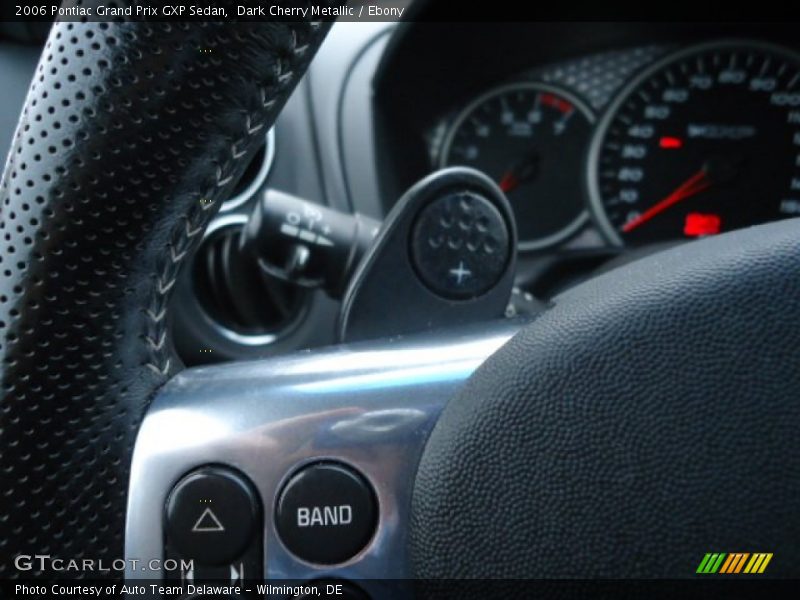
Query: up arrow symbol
[207, 523]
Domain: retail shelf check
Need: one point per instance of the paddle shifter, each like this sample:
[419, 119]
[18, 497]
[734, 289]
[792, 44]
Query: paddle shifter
[444, 255]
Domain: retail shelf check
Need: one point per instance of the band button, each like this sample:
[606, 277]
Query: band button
[326, 513]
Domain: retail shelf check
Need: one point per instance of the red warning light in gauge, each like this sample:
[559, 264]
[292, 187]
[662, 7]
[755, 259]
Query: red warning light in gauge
[699, 224]
[668, 142]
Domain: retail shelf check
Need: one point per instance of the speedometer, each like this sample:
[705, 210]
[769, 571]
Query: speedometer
[705, 141]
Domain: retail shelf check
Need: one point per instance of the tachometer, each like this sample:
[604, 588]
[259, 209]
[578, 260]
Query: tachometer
[531, 138]
[705, 141]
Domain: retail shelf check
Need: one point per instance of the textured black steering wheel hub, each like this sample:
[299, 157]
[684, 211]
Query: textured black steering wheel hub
[131, 136]
[650, 417]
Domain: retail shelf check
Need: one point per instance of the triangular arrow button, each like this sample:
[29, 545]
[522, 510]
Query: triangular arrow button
[208, 523]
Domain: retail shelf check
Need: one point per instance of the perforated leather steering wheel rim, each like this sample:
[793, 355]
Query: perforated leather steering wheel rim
[131, 136]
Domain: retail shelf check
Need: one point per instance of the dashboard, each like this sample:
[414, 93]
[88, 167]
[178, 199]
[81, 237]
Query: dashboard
[715, 122]
[610, 139]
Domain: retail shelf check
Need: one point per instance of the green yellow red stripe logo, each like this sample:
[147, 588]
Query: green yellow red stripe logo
[734, 563]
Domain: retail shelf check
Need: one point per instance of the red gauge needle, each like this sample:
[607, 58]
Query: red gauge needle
[694, 185]
[508, 182]
[524, 170]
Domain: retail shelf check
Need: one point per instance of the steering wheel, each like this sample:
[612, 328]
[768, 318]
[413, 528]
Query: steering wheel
[648, 417]
[131, 136]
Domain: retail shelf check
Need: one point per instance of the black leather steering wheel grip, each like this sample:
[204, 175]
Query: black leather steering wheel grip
[650, 417]
[131, 135]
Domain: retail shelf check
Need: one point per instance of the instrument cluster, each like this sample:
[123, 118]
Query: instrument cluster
[651, 144]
